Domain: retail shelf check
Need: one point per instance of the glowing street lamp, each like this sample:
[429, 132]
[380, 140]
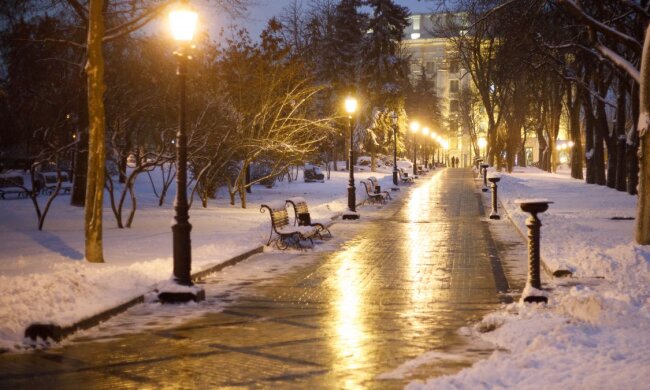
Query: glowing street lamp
[445, 146]
[183, 22]
[351, 108]
[394, 118]
[482, 143]
[415, 127]
[426, 131]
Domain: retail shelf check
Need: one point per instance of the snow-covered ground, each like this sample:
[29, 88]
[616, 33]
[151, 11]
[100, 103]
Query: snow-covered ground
[44, 277]
[595, 331]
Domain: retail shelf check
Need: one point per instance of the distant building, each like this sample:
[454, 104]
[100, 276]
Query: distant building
[436, 55]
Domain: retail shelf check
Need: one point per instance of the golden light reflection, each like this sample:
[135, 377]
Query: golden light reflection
[424, 276]
[350, 344]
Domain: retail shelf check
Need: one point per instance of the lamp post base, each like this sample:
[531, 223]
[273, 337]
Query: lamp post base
[535, 299]
[172, 292]
[352, 215]
[494, 215]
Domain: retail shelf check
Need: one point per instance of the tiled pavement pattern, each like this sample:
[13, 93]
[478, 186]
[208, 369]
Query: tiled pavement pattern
[398, 289]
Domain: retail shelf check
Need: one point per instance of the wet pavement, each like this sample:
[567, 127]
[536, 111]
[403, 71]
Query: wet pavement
[399, 289]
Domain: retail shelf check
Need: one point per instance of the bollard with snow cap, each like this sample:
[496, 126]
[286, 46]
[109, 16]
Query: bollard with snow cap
[484, 168]
[494, 179]
[534, 284]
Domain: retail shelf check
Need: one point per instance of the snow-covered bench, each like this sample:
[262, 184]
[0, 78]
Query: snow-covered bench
[12, 184]
[371, 195]
[303, 218]
[375, 184]
[286, 234]
[404, 177]
[50, 179]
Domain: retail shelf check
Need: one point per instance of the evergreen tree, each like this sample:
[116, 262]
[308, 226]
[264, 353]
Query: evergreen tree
[346, 44]
[384, 70]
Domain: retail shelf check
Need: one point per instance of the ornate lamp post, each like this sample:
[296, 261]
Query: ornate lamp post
[445, 146]
[183, 24]
[351, 108]
[434, 137]
[426, 132]
[482, 143]
[415, 127]
[394, 118]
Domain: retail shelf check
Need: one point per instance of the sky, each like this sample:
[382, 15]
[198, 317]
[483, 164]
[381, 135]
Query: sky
[265, 9]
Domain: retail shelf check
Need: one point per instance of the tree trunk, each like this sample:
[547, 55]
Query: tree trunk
[619, 138]
[633, 146]
[589, 141]
[96, 142]
[247, 172]
[643, 206]
[577, 152]
[600, 134]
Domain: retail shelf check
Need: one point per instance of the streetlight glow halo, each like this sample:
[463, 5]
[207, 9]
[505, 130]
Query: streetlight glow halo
[350, 105]
[415, 126]
[183, 21]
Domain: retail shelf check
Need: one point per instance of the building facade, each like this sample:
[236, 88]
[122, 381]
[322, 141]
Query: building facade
[436, 55]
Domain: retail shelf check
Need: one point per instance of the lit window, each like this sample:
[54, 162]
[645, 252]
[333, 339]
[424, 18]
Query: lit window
[453, 67]
[415, 20]
[453, 86]
[415, 35]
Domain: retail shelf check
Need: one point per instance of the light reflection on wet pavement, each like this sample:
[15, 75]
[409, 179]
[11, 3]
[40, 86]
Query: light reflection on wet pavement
[400, 288]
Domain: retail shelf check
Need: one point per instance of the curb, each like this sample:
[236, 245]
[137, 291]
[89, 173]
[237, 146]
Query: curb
[558, 273]
[58, 332]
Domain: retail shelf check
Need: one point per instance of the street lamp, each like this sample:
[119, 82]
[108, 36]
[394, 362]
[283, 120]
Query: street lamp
[482, 143]
[415, 127]
[351, 108]
[426, 132]
[183, 24]
[394, 118]
[434, 138]
[445, 146]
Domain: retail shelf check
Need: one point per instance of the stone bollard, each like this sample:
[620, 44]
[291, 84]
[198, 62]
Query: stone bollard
[477, 163]
[484, 168]
[493, 184]
[534, 207]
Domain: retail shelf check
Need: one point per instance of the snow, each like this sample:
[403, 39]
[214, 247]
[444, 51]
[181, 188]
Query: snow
[594, 332]
[44, 277]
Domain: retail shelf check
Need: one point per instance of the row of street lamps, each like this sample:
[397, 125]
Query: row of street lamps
[417, 129]
[183, 21]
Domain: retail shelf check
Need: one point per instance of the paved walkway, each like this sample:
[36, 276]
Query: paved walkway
[398, 289]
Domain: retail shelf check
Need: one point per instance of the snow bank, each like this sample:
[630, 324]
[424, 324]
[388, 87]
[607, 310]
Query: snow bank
[595, 330]
[44, 278]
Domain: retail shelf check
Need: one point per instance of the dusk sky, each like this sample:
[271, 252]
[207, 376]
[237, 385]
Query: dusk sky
[266, 9]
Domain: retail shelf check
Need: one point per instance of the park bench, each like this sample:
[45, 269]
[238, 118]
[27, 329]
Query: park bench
[371, 195]
[303, 218]
[404, 177]
[12, 184]
[375, 184]
[286, 234]
[49, 181]
[312, 174]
